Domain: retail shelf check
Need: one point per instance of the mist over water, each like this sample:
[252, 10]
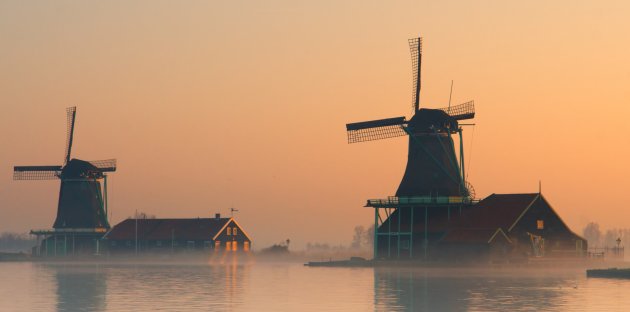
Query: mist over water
[276, 286]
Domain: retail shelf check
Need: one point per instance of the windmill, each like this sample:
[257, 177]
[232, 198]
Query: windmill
[82, 203]
[433, 169]
[434, 181]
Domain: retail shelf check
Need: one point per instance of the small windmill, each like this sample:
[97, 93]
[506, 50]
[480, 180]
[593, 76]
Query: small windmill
[82, 203]
[432, 166]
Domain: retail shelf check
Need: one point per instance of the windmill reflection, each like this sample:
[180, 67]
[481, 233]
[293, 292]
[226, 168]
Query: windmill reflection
[80, 288]
[460, 290]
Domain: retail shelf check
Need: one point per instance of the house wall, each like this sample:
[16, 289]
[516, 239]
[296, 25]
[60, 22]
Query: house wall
[462, 252]
[236, 242]
[158, 246]
[559, 240]
[498, 250]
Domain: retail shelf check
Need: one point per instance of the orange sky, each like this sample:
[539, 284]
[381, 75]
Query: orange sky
[213, 104]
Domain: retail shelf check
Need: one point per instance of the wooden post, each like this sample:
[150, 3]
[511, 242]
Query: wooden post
[398, 245]
[375, 233]
[411, 235]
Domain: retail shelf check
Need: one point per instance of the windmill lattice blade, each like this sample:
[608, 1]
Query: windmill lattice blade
[71, 113]
[461, 111]
[376, 129]
[36, 172]
[105, 165]
[415, 47]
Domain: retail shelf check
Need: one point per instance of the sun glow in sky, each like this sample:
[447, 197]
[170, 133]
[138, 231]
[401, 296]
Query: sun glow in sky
[209, 105]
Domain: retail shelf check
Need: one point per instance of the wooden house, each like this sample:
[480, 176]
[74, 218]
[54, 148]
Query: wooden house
[529, 228]
[177, 235]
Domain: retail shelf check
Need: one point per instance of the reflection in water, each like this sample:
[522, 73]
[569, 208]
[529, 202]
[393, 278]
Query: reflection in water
[230, 286]
[81, 288]
[145, 287]
[471, 290]
[177, 287]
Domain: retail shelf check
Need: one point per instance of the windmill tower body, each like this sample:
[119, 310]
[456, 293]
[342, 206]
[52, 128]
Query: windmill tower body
[433, 191]
[81, 217]
[81, 200]
[432, 167]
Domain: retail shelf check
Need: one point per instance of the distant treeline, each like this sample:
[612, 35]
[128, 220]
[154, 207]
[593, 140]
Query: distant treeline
[281, 248]
[610, 238]
[16, 242]
[362, 239]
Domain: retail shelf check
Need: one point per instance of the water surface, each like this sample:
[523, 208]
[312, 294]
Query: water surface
[293, 287]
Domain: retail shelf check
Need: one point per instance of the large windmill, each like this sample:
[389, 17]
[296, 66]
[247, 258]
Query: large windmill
[434, 176]
[82, 206]
[432, 166]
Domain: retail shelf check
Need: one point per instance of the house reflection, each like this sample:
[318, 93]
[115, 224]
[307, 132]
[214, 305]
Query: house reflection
[120, 286]
[461, 290]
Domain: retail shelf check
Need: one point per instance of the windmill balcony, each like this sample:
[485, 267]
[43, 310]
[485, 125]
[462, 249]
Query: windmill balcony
[393, 201]
[68, 230]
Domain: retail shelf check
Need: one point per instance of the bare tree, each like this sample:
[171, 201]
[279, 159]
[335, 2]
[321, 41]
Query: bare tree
[369, 236]
[144, 215]
[357, 239]
[16, 242]
[611, 236]
[593, 234]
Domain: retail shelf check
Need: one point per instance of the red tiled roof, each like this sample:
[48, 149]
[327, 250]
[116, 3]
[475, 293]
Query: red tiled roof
[165, 229]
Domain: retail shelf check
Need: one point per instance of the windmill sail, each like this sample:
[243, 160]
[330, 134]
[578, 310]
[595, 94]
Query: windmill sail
[461, 111]
[106, 165]
[36, 172]
[415, 46]
[376, 129]
[71, 113]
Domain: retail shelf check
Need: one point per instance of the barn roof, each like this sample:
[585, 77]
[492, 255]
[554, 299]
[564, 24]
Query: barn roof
[492, 217]
[166, 229]
[498, 211]
[481, 236]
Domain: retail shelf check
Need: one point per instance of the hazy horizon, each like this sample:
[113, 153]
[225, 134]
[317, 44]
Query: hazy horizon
[213, 105]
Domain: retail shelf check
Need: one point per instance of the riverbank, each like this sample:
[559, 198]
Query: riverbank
[14, 256]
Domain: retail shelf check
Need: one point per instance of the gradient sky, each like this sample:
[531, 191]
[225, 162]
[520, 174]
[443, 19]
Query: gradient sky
[213, 104]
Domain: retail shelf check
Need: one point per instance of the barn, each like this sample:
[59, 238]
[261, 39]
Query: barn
[177, 235]
[531, 226]
[501, 227]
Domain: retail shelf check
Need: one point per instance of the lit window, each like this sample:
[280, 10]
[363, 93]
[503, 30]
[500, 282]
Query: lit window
[234, 231]
[228, 246]
[217, 245]
[540, 224]
[246, 246]
[234, 246]
[229, 231]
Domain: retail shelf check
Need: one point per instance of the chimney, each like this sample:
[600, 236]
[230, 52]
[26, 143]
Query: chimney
[217, 215]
